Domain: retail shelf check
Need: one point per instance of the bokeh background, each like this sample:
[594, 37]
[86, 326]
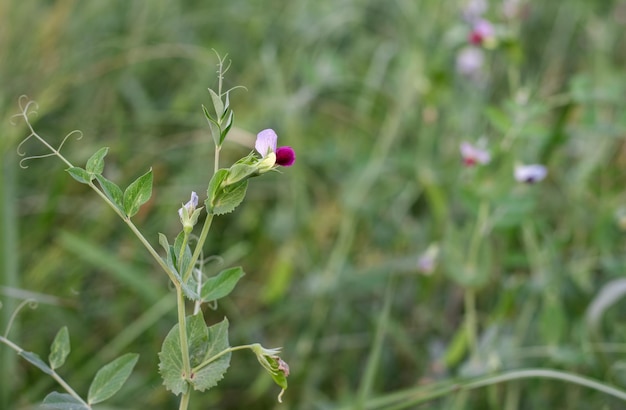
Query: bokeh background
[371, 96]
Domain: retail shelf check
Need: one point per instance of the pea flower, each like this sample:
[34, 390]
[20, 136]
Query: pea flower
[530, 173]
[469, 62]
[265, 145]
[473, 155]
[188, 213]
[482, 33]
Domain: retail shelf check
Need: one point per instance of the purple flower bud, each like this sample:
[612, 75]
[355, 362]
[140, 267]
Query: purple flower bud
[190, 206]
[285, 156]
[482, 31]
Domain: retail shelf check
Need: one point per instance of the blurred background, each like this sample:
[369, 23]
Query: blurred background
[363, 258]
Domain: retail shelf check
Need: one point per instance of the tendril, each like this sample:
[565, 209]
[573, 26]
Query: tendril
[30, 107]
[32, 303]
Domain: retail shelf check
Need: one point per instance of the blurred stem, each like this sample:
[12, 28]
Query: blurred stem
[373, 358]
[8, 268]
[411, 397]
[471, 323]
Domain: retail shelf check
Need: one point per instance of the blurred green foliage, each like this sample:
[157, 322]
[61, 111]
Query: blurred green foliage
[367, 94]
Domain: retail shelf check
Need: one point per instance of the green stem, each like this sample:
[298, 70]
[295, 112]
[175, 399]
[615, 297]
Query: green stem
[184, 400]
[220, 354]
[196, 253]
[182, 331]
[52, 373]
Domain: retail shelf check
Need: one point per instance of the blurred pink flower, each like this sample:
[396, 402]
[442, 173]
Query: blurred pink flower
[482, 31]
[469, 61]
[473, 155]
[474, 9]
[530, 173]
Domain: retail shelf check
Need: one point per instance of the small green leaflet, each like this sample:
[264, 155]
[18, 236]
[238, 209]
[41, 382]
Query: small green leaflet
[62, 401]
[36, 361]
[222, 284]
[95, 164]
[137, 194]
[112, 191]
[111, 377]
[79, 174]
[60, 348]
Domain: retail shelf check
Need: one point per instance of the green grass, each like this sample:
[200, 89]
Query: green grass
[366, 93]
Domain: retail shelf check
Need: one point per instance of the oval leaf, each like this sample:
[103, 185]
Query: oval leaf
[79, 174]
[35, 360]
[138, 193]
[112, 191]
[222, 284]
[95, 164]
[60, 348]
[62, 401]
[111, 377]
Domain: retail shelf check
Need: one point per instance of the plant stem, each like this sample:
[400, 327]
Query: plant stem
[196, 253]
[220, 354]
[52, 373]
[184, 347]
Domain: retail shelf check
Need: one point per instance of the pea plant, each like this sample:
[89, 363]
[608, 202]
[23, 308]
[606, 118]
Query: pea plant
[194, 356]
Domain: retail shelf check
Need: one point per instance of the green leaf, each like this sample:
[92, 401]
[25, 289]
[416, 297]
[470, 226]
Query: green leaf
[170, 356]
[79, 174]
[95, 164]
[222, 284]
[112, 191]
[231, 197]
[215, 188]
[60, 348]
[214, 127]
[229, 124]
[164, 242]
[138, 193]
[111, 377]
[240, 172]
[62, 401]
[209, 375]
[35, 360]
[218, 105]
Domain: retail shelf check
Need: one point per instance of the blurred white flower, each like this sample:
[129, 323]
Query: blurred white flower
[474, 9]
[469, 61]
[530, 173]
[427, 262]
